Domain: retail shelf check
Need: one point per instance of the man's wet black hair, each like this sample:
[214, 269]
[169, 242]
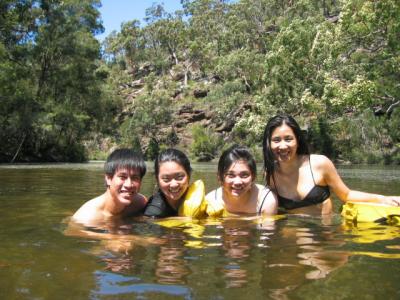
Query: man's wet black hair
[124, 159]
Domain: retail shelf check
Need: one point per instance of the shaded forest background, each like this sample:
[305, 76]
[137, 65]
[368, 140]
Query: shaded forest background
[199, 79]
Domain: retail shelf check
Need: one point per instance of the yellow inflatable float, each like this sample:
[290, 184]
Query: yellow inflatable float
[371, 212]
[194, 204]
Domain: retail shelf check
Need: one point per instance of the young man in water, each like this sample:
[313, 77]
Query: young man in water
[124, 170]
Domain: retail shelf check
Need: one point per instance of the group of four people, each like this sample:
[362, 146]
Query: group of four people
[296, 180]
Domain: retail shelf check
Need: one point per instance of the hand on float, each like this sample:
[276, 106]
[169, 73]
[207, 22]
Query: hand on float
[391, 200]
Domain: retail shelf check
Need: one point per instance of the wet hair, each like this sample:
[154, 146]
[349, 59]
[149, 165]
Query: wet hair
[124, 159]
[234, 154]
[273, 123]
[173, 155]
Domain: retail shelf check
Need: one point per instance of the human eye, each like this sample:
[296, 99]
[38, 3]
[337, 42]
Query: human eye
[165, 179]
[244, 175]
[180, 177]
[135, 178]
[275, 139]
[289, 139]
[122, 176]
[229, 175]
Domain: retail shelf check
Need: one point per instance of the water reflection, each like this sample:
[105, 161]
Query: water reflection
[366, 238]
[171, 266]
[301, 250]
[292, 258]
[236, 242]
[278, 255]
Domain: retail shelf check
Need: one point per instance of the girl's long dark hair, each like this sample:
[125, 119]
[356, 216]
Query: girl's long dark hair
[273, 123]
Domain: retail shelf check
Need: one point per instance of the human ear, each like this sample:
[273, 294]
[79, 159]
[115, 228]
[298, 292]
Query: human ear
[108, 179]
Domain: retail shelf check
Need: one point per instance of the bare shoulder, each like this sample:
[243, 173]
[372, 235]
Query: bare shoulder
[324, 166]
[89, 210]
[267, 200]
[319, 161]
[262, 190]
[214, 195]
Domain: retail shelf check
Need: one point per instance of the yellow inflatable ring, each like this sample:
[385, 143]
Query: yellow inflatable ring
[194, 204]
[370, 212]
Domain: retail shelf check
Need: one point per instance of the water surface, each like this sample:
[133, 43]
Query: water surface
[295, 257]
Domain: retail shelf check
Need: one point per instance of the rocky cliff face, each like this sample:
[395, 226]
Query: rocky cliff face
[189, 106]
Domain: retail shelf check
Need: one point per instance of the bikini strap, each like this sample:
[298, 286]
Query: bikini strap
[309, 162]
[262, 202]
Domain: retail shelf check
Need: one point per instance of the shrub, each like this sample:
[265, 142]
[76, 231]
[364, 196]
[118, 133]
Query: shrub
[205, 145]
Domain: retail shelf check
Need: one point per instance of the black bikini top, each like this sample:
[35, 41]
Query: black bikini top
[318, 194]
[158, 207]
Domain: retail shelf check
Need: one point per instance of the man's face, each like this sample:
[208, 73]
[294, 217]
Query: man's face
[124, 185]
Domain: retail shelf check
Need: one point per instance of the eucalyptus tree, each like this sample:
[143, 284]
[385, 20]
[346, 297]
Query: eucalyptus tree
[57, 100]
[166, 36]
[18, 103]
[208, 32]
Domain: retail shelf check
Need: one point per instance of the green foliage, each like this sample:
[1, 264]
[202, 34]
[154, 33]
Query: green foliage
[320, 137]
[150, 112]
[205, 144]
[367, 139]
[51, 96]
[152, 150]
[241, 64]
[317, 60]
[226, 97]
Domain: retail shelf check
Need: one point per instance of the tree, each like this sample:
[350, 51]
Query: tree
[51, 91]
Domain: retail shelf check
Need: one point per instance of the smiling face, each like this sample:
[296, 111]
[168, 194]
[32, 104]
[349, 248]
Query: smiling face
[173, 181]
[238, 179]
[283, 143]
[124, 185]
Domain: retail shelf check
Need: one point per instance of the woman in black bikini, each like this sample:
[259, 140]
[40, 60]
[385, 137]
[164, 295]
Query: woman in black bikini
[302, 181]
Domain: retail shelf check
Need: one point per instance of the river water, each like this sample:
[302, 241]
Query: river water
[293, 257]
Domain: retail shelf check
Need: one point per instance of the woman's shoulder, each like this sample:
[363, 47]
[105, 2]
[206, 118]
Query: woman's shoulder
[215, 203]
[156, 206]
[322, 164]
[262, 189]
[318, 160]
[214, 195]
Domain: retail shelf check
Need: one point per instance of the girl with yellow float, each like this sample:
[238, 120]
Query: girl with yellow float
[238, 194]
[175, 196]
